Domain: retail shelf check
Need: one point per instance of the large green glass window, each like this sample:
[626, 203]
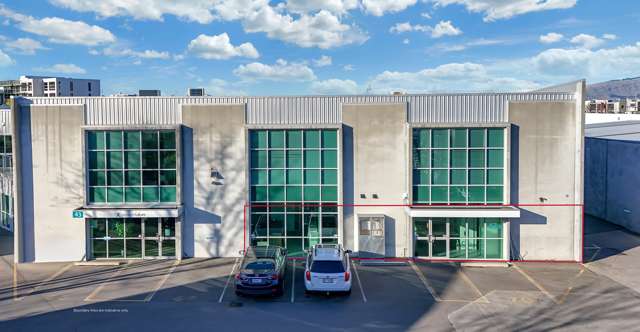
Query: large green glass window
[294, 182]
[131, 166]
[458, 166]
[476, 238]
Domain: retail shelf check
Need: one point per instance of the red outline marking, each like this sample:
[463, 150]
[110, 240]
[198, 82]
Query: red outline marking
[415, 259]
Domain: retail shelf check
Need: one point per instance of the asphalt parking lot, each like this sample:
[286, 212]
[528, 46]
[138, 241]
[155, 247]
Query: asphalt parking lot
[198, 294]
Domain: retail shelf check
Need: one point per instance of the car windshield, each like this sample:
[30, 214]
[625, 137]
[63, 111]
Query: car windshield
[260, 265]
[327, 267]
[262, 252]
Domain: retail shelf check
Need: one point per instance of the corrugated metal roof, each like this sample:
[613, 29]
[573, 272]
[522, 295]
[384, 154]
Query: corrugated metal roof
[619, 130]
[425, 108]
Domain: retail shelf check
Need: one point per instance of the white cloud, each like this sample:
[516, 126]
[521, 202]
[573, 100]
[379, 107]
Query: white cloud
[586, 41]
[602, 64]
[280, 71]
[447, 47]
[62, 68]
[25, 46]
[192, 10]
[334, 6]
[405, 41]
[551, 37]
[219, 87]
[609, 36]
[380, 7]
[348, 68]
[323, 29]
[334, 86]
[126, 52]
[5, 60]
[426, 15]
[443, 28]
[59, 30]
[448, 77]
[219, 47]
[503, 9]
[323, 61]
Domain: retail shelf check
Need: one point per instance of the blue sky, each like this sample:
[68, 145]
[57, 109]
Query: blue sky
[293, 47]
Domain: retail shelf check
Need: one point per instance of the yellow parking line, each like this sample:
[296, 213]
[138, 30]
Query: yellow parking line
[40, 284]
[355, 269]
[473, 286]
[570, 288]
[91, 296]
[536, 284]
[161, 282]
[233, 269]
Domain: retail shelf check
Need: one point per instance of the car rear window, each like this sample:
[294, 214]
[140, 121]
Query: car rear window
[327, 267]
[260, 265]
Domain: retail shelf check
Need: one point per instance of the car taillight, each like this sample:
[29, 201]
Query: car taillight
[308, 275]
[273, 277]
[347, 275]
[238, 277]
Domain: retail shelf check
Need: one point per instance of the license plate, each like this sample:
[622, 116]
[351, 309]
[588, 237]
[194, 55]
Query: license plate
[327, 280]
[256, 281]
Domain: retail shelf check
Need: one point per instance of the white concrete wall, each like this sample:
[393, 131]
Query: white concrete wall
[213, 138]
[58, 185]
[376, 162]
[544, 170]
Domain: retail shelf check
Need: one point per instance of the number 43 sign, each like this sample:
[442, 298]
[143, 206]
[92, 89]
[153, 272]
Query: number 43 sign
[77, 214]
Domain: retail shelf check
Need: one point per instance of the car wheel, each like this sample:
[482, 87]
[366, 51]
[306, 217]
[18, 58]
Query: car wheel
[347, 293]
[239, 294]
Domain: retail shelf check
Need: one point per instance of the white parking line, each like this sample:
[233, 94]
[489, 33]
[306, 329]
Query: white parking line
[293, 281]
[40, 284]
[424, 280]
[233, 269]
[355, 269]
[164, 279]
[597, 248]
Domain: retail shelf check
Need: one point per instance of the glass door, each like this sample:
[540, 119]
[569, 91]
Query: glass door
[439, 238]
[160, 238]
[151, 238]
[431, 237]
[167, 237]
[422, 235]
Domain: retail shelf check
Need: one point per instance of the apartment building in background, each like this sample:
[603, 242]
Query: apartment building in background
[46, 86]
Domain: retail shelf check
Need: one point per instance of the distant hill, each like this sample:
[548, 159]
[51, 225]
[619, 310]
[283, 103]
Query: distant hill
[624, 88]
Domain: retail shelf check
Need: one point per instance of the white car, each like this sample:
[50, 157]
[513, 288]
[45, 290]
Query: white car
[328, 269]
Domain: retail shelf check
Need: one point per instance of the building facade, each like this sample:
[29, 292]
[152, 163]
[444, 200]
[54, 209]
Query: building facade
[456, 176]
[45, 86]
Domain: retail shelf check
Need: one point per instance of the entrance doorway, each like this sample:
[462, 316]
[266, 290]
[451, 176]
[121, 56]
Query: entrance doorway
[132, 238]
[459, 238]
[431, 237]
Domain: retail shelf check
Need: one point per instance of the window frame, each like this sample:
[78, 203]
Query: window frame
[299, 170]
[415, 169]
[86, 172]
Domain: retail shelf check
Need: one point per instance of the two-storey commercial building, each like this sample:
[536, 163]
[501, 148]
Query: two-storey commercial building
[490, 176]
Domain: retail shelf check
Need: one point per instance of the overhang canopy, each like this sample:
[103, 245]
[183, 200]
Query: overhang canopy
[165, 212]
[464, 212]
